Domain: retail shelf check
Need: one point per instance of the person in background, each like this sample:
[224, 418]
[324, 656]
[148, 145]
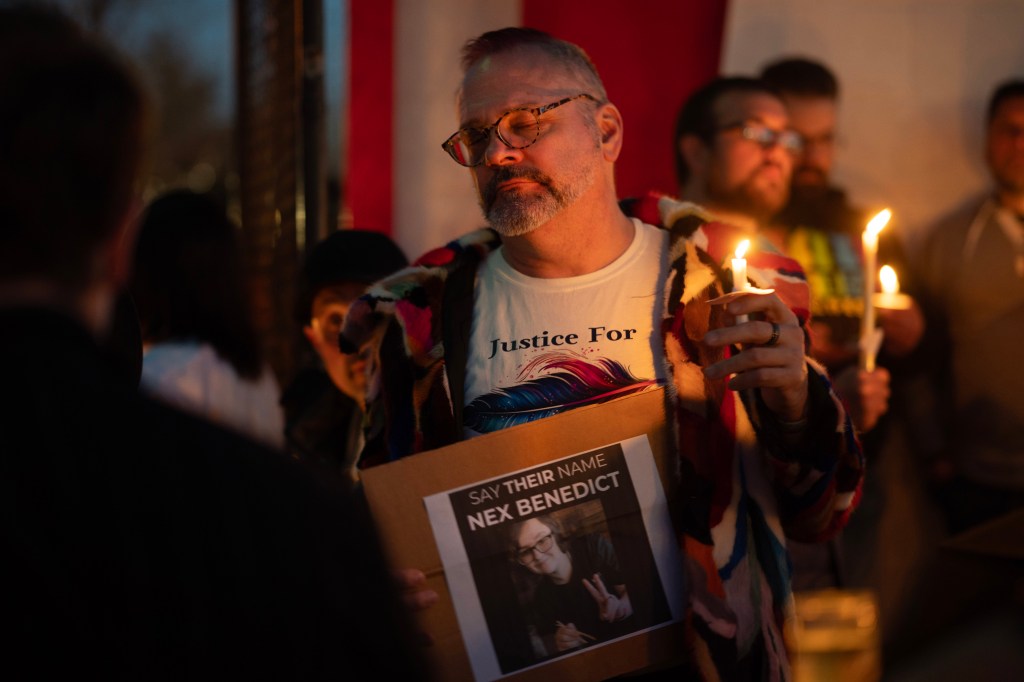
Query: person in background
[972, 275]
[735, 153]
[323, 405]
[201, 349]
[820, 228]
[140, 542]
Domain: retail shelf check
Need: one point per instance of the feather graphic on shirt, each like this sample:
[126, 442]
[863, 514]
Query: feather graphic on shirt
[569, 382]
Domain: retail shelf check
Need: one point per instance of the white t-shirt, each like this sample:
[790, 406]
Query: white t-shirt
[191, 376]
[541, 346]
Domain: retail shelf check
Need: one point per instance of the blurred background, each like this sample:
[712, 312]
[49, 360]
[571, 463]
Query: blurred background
[306, 116]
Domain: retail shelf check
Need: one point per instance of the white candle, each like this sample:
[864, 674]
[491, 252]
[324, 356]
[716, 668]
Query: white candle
[869, 239]
[739, 273]
[890, 298]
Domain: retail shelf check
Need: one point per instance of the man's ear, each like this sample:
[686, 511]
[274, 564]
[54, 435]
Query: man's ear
[609, 123]
[307, 331]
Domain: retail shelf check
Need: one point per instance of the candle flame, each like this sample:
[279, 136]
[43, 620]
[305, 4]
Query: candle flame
[890, 283]
[880, 220]
[741, 250]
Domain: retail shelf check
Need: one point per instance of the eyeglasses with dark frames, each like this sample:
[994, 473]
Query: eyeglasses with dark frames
[527, 555]
[790, 140]
[517, 129]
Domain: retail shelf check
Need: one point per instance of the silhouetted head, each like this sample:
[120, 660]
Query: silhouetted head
[189, 281]
[71, 128]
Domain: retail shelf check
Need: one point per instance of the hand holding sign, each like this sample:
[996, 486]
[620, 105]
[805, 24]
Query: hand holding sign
[412, 584]
[612, 607]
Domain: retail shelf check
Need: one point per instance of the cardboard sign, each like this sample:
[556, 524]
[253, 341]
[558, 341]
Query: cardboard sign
[493, 520]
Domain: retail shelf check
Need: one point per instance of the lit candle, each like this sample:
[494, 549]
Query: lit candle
[869, 239]
[739, 273]
[890, 298]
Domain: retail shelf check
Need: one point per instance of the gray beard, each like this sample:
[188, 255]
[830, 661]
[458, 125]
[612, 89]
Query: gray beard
[514, 214]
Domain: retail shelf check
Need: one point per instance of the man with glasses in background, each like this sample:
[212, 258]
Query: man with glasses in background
[567, 301]
[819, 227]
[735, 155]
[734, 152]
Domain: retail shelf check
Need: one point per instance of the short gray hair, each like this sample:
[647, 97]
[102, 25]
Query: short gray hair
[572, 57]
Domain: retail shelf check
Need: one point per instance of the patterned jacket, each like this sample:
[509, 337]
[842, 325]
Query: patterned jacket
[742, 490]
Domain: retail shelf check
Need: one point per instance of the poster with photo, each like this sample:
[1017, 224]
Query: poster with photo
[558, 559]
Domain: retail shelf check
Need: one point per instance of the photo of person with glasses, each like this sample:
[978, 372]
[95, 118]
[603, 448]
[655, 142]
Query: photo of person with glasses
[571, 588]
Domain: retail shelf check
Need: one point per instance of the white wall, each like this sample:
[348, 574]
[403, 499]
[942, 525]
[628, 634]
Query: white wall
[915, 78]
[434, 196]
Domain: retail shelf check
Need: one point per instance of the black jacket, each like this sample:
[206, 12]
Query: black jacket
[142, 543]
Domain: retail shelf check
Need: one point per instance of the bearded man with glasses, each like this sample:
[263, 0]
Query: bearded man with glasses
[735, 155]
[735, 151]
[565, 300]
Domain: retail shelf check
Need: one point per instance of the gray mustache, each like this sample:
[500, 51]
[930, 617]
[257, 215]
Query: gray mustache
[506, 173]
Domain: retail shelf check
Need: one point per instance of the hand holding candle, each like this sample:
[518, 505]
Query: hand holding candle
[870, 338]
[771, 351]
